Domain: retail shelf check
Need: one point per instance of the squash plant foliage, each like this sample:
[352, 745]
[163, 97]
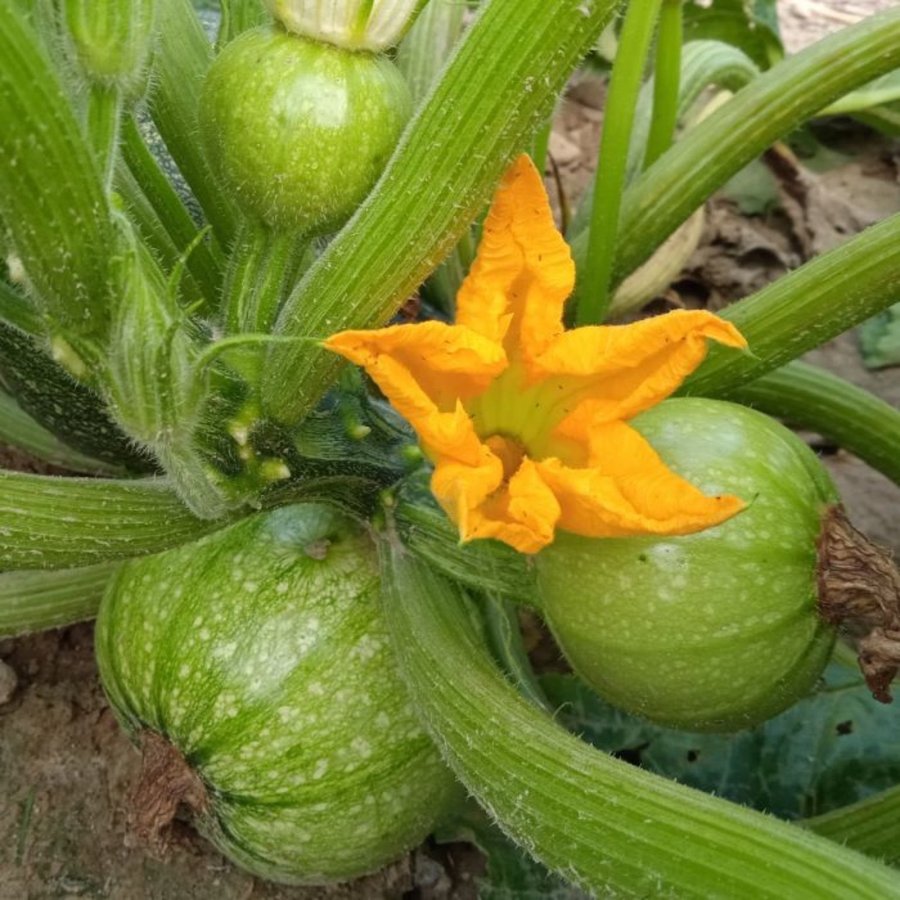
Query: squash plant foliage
[194, 232]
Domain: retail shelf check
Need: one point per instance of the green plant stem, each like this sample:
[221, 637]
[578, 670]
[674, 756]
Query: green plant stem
[18, 429]
[40, 139]
[802, 310]
[183, 54]
[541, 146]
[34, 600]
[810, 397]
[481, 565]
[871, 826]
[499, 86]
[206, 262]
[767, 109]
[428, 44]
[56, 523]
[261, 263]
[15, 310]
[666, 81]
[615, 829]
[618, 120]
[104, 115]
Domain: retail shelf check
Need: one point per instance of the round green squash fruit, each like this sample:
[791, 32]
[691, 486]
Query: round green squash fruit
[299, 130]
[713, 631]
[254, 669]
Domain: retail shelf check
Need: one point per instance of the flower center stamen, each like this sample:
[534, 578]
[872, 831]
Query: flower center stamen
[509, 450]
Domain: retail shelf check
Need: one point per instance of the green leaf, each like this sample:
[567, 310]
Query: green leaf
[831, 749]
[63, 237]
[879, 339]
[751, 25]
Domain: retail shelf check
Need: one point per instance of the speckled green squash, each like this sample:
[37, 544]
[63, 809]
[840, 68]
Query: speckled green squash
[712, 631]
[260, 653]
[299, 130]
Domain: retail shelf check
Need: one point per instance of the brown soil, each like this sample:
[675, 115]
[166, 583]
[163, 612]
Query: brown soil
[66, 769]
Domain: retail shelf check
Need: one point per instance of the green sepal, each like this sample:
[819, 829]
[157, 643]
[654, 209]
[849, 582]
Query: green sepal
[111, 41]
[61, 236]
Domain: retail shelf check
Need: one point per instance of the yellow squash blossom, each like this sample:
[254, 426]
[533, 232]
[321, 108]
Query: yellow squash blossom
[525, 422]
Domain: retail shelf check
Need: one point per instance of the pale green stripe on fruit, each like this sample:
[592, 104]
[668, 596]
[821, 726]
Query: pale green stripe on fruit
[615, 829]
[499, 87]
[55, 523]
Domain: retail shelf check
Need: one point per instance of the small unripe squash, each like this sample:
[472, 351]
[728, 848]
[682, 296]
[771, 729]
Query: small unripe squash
[714, 631]
[254, 669]
[299, 130]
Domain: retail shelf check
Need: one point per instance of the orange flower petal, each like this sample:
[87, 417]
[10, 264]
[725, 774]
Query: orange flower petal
[522, 513]
[425, 370]
[628, 490]
[611, 372]
[523, 272]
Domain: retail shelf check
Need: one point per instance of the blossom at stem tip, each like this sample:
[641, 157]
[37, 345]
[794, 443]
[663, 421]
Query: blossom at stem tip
[527, 423]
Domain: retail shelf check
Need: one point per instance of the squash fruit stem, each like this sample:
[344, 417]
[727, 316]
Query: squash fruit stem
[167, 784]
[859, 592]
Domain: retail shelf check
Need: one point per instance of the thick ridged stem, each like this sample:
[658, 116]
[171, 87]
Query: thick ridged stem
[35, 600]
[618, 120]
[205, 262]
[63, 237]
[56, 523]
[498, 88]
[767, 109]
[805, 308]
[182, 57]
[809, 397]
[613, 828]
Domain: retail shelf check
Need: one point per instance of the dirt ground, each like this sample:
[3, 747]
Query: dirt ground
[66, 769]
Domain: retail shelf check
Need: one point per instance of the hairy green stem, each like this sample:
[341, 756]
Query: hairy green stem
[871, 826]
[618, 120]
[205, 262]
[55, 523]
[615, 829]
[37, 600]
[40, 138]
[498, 88]
[18, 429]
[16, 310]
[104, 114]
[767, 109]
[805, 308]
[182, 57]
[810, 397]
[261, 262]
[666, 81]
